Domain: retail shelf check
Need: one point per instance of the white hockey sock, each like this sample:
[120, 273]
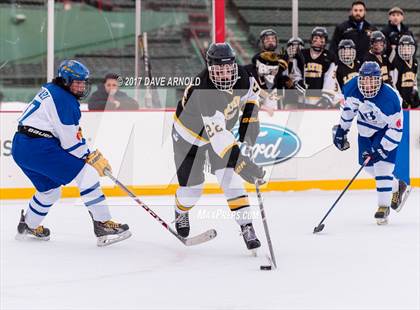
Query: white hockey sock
[237, 198]
[385, 182]
[187, 196]
[39, 206]
[91, 193]
[395, 185]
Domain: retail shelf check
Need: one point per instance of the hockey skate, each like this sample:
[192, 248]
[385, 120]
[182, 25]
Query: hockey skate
[400, 196]
[250, 238]
[182, 224]
[24, 232]
[109, 232]
[381, 215]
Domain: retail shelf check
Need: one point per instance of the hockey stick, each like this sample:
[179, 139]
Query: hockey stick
[201, 238]
[148, 100]
[321, 226]
[264, 220]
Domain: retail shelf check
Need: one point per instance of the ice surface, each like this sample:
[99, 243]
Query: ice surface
[352, 264]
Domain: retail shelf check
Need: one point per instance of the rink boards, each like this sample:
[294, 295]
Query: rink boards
[139, 148]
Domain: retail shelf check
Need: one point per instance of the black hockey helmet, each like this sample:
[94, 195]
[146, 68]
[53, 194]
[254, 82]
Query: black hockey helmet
[219, 54]
[377, 36]
[346, 43]
[293, 45]
[266, 33]
[295, 41]
[406, 47]
[222, 66]
[319, 32]
[407, 39]
[346, 51]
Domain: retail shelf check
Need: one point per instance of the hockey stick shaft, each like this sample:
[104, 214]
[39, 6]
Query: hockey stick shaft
[264, 220]
[142, 204]
[343, 192]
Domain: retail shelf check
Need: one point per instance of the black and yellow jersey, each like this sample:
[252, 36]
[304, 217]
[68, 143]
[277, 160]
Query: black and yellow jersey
[384, 64]
[207, 115]
[404, 77]
[346, 72]
[319, 74]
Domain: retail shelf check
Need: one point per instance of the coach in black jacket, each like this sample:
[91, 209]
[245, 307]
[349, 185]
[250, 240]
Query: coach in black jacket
[395, 30]
[356, 29]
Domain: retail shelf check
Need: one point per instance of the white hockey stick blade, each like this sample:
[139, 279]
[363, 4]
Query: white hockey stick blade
[29, 237]
[407, 192]
[270, 261]
[105, 240]
[201, 238]
[383, 221]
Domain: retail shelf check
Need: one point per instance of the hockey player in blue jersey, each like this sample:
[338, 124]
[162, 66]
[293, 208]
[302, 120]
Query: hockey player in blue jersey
[51, 151]
[380, 126]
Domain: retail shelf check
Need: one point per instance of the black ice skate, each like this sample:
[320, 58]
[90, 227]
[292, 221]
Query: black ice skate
[381, 215]
[182, 224]
[24, 232]
[250, 238]
[400, 196]
[109, 232]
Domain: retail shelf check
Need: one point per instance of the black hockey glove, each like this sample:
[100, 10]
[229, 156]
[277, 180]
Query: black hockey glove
[340, 138]
[324, 102]
[248, 170]
[415, 100]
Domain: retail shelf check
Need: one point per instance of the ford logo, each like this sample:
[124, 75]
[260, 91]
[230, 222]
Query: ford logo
[274, 145]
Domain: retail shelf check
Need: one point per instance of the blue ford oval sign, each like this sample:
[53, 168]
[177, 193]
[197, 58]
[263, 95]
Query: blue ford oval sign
[274, 145]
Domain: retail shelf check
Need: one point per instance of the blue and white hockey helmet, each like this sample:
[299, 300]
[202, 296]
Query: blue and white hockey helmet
[370, 79]
[73, 70]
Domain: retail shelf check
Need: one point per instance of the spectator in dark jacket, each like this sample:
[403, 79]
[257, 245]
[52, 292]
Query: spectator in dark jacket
[395, 30]
[109, 97]
[356, 29]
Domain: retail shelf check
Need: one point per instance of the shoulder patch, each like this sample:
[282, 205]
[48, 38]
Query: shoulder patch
[398, 123]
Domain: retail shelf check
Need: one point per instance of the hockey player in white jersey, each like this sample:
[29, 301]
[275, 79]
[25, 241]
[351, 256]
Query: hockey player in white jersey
[50, 149]
[380, 125]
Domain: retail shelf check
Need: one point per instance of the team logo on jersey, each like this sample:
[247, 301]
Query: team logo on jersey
[275, 144]
[232, 108]
[399, 123]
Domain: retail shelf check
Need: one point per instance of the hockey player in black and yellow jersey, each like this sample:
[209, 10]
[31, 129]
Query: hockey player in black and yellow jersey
[347, 66]
[296, 60]
[404, 74]
[267, 69]
[378, 55]
[319, 71]
[202, 128]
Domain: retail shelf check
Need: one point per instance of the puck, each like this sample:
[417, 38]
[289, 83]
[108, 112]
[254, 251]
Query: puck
[266, 267]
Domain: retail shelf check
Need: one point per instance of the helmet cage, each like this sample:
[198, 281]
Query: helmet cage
[406, 51]
[369, 86]
[224, 76]
[347, 55]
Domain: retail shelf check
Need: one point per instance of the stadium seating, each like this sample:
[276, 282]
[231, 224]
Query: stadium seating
[256, 15]
[178, 32]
